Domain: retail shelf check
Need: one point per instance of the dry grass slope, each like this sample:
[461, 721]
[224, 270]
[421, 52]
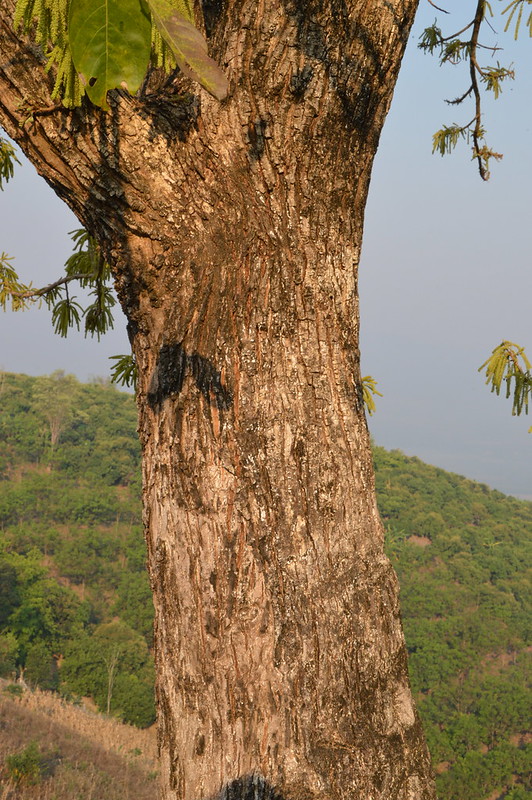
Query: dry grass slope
[88, 756]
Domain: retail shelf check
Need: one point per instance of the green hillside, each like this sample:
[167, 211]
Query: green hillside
[75, 609]
[462, 554]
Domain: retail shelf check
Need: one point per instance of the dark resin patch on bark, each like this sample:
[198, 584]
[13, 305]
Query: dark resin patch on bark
[173, 364]
[256, 138]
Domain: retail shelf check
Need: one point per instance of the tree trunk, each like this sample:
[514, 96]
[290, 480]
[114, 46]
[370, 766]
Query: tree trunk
[234, 231]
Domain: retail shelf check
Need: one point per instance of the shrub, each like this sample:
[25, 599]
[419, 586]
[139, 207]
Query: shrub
[30, 765]
[14, 689]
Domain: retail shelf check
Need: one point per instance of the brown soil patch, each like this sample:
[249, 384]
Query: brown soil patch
[420, 541]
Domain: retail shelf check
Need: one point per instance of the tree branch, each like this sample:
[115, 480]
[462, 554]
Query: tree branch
[473, 66]
[51, 286]
[437, 7]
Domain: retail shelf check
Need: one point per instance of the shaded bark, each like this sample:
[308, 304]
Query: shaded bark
[234, 232]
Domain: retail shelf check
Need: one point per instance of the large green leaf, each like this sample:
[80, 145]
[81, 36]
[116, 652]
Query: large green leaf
[188, 46]
[110, 41]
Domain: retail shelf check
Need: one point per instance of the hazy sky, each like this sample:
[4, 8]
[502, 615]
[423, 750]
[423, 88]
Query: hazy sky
[445, 275]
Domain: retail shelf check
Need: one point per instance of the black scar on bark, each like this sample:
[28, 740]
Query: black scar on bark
[173, 364]
[248, 787]
[256, 138]
[300, 81]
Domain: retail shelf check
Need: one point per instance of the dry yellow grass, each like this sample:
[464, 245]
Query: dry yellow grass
[105, 731]
[91, 756]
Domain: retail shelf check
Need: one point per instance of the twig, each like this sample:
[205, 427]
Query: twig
[437, 7]
[51, 286]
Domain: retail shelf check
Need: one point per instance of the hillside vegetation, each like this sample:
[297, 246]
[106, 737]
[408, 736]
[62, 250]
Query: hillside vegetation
[52, 750]
[75, 606]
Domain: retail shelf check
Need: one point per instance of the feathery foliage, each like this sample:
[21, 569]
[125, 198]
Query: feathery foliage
[124, 370]
[509, 364]
[515, 9]
[369, 390]
[86, 266]
[46, 21]
[11, 289]
[8, 159]
[464, 46]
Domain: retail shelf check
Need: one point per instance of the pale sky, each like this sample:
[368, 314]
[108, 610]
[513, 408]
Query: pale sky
[445, 274]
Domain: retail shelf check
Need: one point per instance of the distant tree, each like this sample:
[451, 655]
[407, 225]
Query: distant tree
[8, 654]
[110, 659]
[9, 591]
[134, 603]
[47, 612]
[517, 793]
[429, 524]
[54, 399]
[135, 696]
[113, 666]
[40, 667]
[89, 555]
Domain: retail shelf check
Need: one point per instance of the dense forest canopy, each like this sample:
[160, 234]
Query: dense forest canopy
[76, 612]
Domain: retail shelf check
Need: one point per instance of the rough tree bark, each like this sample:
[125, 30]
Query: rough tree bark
[234, 233]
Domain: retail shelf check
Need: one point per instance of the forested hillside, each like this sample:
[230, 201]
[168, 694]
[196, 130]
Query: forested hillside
[75, 608]
[462, 554]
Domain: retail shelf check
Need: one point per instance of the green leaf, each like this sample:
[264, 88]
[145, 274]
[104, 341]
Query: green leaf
[492, 77]
[431, 38]
[11, 289]
[66, 314]
[504, 365]
[517, 5]
[98, 316]
[8, 159]
[189, 47]
[369, 389]
[110, 42]
[444, 140]
[124, 371]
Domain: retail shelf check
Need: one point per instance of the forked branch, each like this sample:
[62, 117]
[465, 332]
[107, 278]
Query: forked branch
[454, 49]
